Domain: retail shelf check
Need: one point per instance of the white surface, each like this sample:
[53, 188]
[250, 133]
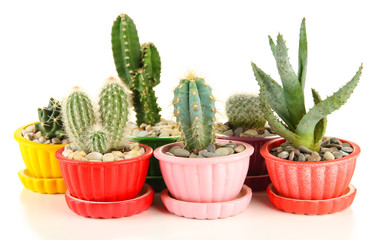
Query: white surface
[46, 48]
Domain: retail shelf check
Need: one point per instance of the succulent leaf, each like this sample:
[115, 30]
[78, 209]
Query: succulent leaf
[302, 55]
[320, 128]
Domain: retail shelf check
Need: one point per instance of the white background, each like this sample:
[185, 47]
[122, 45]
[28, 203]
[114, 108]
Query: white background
[47, 47]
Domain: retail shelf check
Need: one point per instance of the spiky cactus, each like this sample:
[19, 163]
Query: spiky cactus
[102, 131]
[50, 122]
[244, 110]
[139, 67]
[301, 128]
[194, 108]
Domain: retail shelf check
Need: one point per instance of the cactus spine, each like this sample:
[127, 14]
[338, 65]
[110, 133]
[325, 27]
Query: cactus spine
[194, 108]
[139, 67]
[50, 122]
[244, 110]
[301, 128]
[92, 132]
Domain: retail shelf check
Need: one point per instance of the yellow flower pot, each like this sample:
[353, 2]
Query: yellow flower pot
[39, 158]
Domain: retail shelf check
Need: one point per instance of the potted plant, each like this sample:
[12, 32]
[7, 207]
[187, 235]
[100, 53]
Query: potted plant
[38, 143]
[104, 173]
[246, 123]
[139, 67]
[310, 173]
[203, 177]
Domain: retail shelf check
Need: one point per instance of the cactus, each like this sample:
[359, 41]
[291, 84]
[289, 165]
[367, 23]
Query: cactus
[244, 110]
[300, 127]
[50, 122]
[139, 67]
[194, 108]
[99, 132]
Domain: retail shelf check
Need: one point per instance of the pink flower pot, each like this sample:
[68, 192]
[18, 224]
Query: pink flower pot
[204, 180]
[310, 180]
[105, 181]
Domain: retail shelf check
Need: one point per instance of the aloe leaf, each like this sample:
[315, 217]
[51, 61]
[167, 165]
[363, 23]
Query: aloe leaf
[322, 109]
[302, 55]
[293, 94]
[272, 45]
[320, 128]
[274, 95]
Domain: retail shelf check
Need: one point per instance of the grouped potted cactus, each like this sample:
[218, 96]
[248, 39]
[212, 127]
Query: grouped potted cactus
[246, 123]
[104, 173]
[203, 177]
[310, 173]
[38, 143]
[139, 67]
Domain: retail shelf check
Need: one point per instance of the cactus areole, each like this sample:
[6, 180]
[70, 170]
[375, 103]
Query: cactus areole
[300, 127]
[139, 67]
[194, 108]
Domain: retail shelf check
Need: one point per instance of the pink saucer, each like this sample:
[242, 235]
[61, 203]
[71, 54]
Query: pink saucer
[112, 209]
[207, 210]
[312, 207]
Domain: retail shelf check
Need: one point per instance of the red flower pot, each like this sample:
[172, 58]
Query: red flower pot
[105, 181]
[310, 180]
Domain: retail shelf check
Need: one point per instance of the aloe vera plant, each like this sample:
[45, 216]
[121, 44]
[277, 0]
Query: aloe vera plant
[298, 127]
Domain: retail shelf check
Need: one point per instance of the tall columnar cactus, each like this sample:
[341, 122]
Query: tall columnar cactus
[102, 131]
[301, 128]
[194, 108]
[139, 67]
[244, 110]
[50, 122]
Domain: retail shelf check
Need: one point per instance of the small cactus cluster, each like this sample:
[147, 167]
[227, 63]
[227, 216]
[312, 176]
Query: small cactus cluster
[300, 127]
[50, 122]
[139, 67]
[101, 131]
[194, 108]
[244, 110]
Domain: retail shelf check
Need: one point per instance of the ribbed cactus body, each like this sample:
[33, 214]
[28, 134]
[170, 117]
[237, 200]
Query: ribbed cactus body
[194, 108]
[139, 67]
[114, 104]
[79, 118]
[98, 141]
[244, 110]
[50, 122]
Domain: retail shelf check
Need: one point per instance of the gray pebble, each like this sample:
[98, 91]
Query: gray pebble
[283, 154]
[211, 148]
[169, 153]
[291, 156]
[181, 153]
[307, 155]
[323, 149]
[328, 156]
[38, 134]
[221, 144]
[301, 158]
[347, 149]
[337, 155]
[193, 155]
[108, 157]
[171, 150]
[346, 144]
[239, 148]
[228, 133]
[47, 142]
[325, 143]
[164, 134]
[36, 141]
[314, 158]
[56, 141]
[209, 154]
[230, 150]
[42, 139]
[305, 149]
[333, 149]
[238, 131]
[142, 134]
[275, 149]
[336, 141]
[201, 153]
[315, 153]
[296, 151]
[344, 153]
[289, 148]
[30, 129]
[222, 151]
[334, 145]
[94, 156]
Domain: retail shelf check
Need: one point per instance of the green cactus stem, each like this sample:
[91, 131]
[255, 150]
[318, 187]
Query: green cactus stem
[194, 108]
[98, 141]
[244, 110]
[50, 122]
[299, 127]
[139, 67]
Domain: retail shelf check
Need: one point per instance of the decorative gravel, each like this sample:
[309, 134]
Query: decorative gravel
[224, 129]
[165, 128]
[331, 148]
[212, 150]
[31, 134]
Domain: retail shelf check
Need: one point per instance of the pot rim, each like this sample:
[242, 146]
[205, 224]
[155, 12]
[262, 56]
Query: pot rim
[19, 138]
[147, 154]
[250, 139]
[265, 152]
[159, 153]
[156, 138]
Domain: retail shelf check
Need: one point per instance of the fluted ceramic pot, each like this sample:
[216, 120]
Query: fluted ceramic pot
[310, 180]
[204, 180]
[105, 181]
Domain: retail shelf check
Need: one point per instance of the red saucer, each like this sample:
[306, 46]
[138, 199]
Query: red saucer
[312, 207]
[112, 209]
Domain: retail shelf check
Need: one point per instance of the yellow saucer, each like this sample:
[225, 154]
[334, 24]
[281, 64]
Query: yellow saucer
[41, 185]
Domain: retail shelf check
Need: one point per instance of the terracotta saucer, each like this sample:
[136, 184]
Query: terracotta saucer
[312, 207]
[207, 210]
[112, 209]
[41, 185]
